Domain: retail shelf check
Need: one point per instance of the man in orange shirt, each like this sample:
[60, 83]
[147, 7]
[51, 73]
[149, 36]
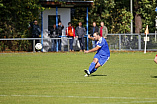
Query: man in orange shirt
[70, 32]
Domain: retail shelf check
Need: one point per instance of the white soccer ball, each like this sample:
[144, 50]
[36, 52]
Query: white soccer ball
[38, 46]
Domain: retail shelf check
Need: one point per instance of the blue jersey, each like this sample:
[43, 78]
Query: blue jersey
[104, 49]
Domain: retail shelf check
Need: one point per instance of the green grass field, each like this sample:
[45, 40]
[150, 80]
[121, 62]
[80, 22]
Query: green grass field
[58, 78]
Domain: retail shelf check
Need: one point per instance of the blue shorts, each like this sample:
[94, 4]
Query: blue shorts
[101, 59]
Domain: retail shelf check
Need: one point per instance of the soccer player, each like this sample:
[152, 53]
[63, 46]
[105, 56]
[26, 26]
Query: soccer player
[102, 55]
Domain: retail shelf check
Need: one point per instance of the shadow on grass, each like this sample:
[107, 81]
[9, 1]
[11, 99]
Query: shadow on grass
[98, 75]
[153, 76]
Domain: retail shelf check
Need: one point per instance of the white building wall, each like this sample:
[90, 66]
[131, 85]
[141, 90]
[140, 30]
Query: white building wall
[65, 16]
[63, 12]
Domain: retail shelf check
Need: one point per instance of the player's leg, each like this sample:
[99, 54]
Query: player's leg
[93, 64]
[91, 67]
[101, 62]
[96, 67]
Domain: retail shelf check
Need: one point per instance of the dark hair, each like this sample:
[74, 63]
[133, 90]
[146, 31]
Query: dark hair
[97, 33]
[69, 23]
[35, 21]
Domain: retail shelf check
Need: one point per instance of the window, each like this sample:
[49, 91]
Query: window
[52, 20]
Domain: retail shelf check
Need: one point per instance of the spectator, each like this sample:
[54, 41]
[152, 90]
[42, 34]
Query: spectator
[60, 28]
[94, 29]
[35, 30]
[53, 34]
[70, 32]
[80, 32]
[155, 59]
[103, 31]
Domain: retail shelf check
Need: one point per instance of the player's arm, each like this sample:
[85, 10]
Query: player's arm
[92, 38]
[93, 50]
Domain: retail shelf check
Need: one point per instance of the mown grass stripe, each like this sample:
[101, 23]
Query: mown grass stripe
[90, 97]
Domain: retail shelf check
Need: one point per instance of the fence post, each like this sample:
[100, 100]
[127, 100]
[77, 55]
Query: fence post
[87, 27]
[155, 35]
[33, 45]
[42, 29]
[57, 46]
[119, 42]
[139, 42]
[68, 44]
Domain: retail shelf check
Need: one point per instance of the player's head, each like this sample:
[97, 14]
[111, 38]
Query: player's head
[96, 36]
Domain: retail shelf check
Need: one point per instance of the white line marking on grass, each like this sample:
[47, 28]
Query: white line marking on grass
[90, 97]
[143, 101]
[83, 82]
[3, 95]
[148, 59]
[132, 102]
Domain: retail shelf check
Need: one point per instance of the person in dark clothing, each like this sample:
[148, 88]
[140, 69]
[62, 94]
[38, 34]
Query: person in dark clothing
[80, 32]
[53, 34]
[94, 29]
[35, 30]
[60, 28]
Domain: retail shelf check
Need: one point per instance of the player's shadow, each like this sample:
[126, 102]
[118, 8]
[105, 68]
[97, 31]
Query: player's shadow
[153, 76]
[97, 75]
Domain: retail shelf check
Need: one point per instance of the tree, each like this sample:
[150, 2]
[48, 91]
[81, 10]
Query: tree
[144, 15]
[17, 14]
[15, 18]
[114, 14]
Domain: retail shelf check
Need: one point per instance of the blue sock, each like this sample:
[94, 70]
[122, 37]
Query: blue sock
[92, 66]
[93, 70]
